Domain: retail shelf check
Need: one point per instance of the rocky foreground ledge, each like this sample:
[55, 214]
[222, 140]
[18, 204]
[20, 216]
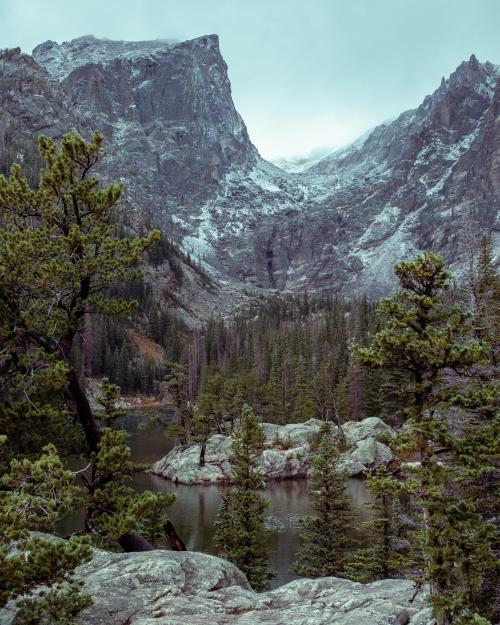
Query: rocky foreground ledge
[287, 453]
[189, 588]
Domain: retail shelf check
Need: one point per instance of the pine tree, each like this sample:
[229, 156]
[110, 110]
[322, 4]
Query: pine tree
[432, 341]
[327, 533]
[73, 261]
[175, 390]
[240, 531]
[381, 559]
[303, 401]
[488, 298]
[72, 256]
[35, 495]
[273, 397]
[114, 508]
[202, 423]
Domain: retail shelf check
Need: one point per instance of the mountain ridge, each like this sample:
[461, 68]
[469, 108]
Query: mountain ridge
[174, 136]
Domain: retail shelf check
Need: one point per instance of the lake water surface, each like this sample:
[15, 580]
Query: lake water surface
[195, 509]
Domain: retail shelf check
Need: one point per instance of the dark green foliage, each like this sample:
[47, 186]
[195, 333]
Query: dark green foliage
[35, 495]
[327, 534]
[240, 531]
[71, 257]
[382, 558]
[202, 424]
[113, 506]
[461, 559]
[290, 357]
[436, 343]
[150, 511]
[115, 354]
[487, 298]
[61, 259]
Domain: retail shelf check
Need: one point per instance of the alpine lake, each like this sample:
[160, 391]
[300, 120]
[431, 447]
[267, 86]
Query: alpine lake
[195, 508]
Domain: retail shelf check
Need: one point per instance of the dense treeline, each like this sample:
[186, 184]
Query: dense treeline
[114, 344]
[291, 358]
[446, 455]
[120, 347]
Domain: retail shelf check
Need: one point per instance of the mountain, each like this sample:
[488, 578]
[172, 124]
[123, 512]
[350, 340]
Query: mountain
[174, 136]
[301, 163]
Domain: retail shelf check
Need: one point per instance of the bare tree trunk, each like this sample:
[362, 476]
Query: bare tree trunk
[85, 415]
[337, 419]
[88, 344]
[203, 448]
[176, 544]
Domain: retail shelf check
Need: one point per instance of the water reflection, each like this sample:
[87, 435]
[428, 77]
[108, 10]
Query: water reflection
[195, 508]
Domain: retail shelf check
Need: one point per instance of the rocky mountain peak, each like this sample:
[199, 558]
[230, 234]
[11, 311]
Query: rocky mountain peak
[61, 59]
[174, 137]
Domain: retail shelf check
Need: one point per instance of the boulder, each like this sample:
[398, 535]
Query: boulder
[168, 588]
[188, 588]
[370, 427]
[286, 463]
[132, 587]
[370, 453]
[295, 434]
[181, 464]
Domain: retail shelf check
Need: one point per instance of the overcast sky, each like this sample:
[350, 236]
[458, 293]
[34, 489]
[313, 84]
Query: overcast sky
[305, 74]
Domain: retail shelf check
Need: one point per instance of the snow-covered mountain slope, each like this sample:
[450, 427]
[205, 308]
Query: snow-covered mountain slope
[175, 138]
[301, 163]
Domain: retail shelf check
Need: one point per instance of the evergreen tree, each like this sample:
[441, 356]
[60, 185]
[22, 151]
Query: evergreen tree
[381, 559]
[433, 341]
[74, 262]
[114, 508]
[488, 298]
[303, 401]
[240, 531]
[35, 495]
[175, 391]
[72, 256]
[327, 533]
[202, 423]
[273, 398]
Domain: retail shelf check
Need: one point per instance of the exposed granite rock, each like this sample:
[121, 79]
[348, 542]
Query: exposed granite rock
[128, 584]
[287, 453]
[356, 431]
[190, 588]
[370, 453]
[166, 588]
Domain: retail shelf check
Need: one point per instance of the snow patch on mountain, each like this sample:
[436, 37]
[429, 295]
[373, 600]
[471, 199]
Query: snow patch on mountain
[61, 59]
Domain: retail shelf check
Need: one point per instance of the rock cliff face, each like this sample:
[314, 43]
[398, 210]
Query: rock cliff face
[166, 109]
[174, 136]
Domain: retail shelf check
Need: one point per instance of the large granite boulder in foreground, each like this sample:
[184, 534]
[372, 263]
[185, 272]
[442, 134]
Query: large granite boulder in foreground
[287, 453]
[189, 588]
[167, 588]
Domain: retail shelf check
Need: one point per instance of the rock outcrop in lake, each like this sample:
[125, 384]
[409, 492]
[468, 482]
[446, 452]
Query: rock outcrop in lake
[286, 455]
